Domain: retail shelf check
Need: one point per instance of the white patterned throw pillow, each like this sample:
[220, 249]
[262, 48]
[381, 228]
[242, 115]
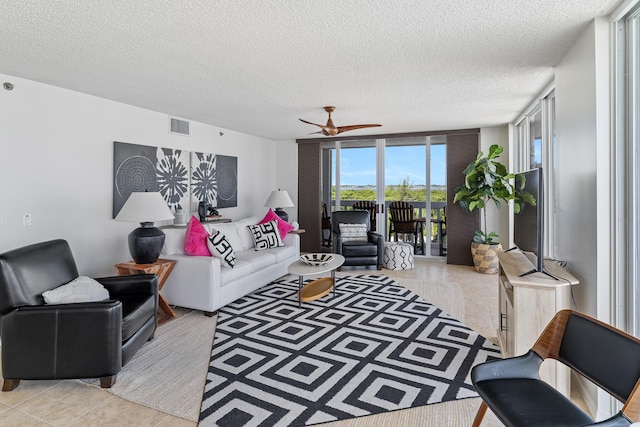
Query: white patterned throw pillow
[351, 233]
[220, 248]
[266, 235]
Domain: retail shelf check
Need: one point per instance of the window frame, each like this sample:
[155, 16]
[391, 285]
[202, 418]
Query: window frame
[625, 177]
[545, 106]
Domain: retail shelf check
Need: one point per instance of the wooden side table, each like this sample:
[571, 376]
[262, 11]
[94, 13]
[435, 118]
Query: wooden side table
[161, 268]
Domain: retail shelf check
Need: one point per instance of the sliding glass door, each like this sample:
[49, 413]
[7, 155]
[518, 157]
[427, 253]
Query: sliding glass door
[381, 171]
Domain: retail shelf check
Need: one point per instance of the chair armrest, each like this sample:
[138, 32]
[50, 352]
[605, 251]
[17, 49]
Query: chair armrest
[337, 244]
[525, 366]
[377, 238]
[135, 284]
[374, 237]
[618, 420]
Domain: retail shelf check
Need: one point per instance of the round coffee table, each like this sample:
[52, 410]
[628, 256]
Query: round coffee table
[319, 287]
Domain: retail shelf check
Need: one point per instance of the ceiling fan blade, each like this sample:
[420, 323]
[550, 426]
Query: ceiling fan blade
[354, 127]
[326, 130]
[331, 130]
[310, 123]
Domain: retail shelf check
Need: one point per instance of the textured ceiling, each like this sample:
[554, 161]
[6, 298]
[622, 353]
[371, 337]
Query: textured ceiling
[257, 66]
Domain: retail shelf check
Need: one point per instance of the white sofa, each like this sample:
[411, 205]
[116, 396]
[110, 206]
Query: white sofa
[202, 283]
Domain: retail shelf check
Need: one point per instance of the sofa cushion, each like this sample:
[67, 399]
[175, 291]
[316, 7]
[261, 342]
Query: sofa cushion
[244, 233]
[284, 253]
[231, 233]
[220, 248]
[173, 241]
[80, 289]
[258, 259]
[195, 239]
[266, 235]
[241, 269]
[283, 226]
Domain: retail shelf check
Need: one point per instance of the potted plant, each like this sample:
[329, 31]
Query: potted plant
[485, 180]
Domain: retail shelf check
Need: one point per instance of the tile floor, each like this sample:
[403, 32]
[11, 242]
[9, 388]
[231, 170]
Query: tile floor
[74, 403]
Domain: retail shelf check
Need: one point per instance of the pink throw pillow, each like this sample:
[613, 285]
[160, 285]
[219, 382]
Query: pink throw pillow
[283, 226]
[195, 240]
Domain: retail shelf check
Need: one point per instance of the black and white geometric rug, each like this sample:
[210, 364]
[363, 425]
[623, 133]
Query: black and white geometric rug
[374, 347]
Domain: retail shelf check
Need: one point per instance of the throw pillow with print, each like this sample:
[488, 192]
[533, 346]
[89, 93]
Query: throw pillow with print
[266, 235]
[352, 233]
[220, 248]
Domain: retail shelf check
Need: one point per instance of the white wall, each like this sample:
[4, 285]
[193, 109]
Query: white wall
[287, 173]
[583, 218]
[582, 172]
[56, 163]
[497, 219]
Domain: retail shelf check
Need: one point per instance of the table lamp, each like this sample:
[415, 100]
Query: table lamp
[279, 199]
[146, 241]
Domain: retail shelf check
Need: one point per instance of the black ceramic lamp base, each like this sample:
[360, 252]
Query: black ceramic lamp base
[145, 243]
[282, 214]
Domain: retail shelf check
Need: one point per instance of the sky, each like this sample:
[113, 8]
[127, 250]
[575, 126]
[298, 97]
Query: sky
[358, 165]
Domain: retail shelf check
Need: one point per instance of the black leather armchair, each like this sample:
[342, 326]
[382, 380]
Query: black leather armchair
[370, 252]
[63, 341]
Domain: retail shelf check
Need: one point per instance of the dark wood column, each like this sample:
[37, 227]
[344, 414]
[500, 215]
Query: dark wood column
[309, 196]
[461, 225]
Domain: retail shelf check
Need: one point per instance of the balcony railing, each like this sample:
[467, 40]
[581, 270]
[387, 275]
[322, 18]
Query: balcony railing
[437, 223]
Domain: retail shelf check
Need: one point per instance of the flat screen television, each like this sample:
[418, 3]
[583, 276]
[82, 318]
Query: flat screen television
[528, 224]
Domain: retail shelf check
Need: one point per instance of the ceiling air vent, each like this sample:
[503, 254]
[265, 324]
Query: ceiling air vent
[180, 127]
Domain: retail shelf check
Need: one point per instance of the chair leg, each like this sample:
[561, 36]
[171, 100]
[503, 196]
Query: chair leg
[107, 382]
[9, 385]
[479, 415]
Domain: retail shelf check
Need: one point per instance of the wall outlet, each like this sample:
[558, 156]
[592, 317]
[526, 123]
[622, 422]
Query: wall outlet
[26, 220]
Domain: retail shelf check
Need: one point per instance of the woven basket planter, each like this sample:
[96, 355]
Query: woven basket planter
[485, 257]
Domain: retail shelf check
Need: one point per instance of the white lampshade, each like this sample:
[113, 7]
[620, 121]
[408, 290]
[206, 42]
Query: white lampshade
[279, 199]
[144, 207]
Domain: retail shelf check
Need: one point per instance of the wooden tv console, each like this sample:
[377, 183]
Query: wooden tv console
[527, 304]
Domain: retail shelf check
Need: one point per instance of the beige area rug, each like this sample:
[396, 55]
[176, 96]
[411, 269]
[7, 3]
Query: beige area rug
[446, 296]
[168, 373]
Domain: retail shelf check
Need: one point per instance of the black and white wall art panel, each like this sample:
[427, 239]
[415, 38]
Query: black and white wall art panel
[183, 178]
[227, 172]
[214, 180]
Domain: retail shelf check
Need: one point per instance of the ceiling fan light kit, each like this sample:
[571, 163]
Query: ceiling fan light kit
[331, 130]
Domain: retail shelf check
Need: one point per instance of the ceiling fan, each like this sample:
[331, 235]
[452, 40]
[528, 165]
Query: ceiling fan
[331, 130]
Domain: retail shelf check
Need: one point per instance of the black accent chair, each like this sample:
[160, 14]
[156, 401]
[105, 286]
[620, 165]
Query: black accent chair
[65, 341]
[370, 252]
[608, 357]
